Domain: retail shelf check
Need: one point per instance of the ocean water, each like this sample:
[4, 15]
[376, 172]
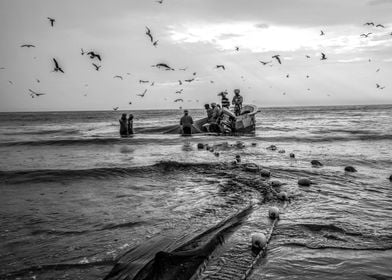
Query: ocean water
[75, 196]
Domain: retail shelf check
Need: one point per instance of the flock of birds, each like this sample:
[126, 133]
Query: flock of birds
[96, 60]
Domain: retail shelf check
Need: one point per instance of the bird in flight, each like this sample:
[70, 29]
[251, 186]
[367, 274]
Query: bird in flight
[27, 46]
[323, 57]
[287, 76]
[277, 57]
[160, 1]
[264, 62]
[148, 33]
[115, 108]
[179, 91]
[307, 76]
[322, 33]
[96, 66]
[378, 70]
[155, 44]
[380, 87]
[237, 48]
[118, 76]
[163, 65]
[130, 103]
[82, 51]
[11, 82]
[221, 66]
[35, 94]
[38, 81]
[152, 84]
[179, 82]
[190, 80]
[52, 20]
[94, 55]
[179, 100]
[366, 35]
[143, 81]
[183, 69]
[307, 56]
[380, 25]
[369, 23]
[57, 68]
[142, 94]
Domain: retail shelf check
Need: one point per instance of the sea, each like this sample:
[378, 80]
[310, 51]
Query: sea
[76, 197]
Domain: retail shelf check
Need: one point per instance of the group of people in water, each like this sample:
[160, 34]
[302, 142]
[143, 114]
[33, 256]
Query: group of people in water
[216, 120]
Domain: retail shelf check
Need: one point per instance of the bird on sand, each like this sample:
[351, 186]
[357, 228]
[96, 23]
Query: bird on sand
[264, 62]
[118, 76]
[94, 55]
[380, 25]
[51, 20]
[163, 65]
[148, 33]
[322, 33]
[57, 68]
[366, 35]
[96, 66]
[142, 94]
[115, 108]
[277, 57]
[369, 23]
[35, 94]
[27, 46]
[179, 100]
[221, 66]
[323, 57]
[143, 81]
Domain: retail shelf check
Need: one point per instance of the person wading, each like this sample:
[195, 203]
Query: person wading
[186, 123]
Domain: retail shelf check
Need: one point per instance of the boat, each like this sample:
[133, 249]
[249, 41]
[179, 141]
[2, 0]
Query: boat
[230, 124]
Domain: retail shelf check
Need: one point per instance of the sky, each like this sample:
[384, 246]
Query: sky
[195, 35]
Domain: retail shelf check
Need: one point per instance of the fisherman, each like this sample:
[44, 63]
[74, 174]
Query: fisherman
[224, 101]
[123, 125]
[209, 112]
[186, 122]
[215, 112]
[130, 124]
[237, 102]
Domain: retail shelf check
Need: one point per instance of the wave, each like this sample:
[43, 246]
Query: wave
[54, 175]
[316, 139]
[319, 246]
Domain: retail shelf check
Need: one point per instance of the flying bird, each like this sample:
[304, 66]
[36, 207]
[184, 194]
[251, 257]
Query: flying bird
[27, 46]
[142, 94]
[183, 69]
[152, 84]
[115, 108]
[163, 65]
[264, 62]
[287, 76]
[380, 25]
[307, 56]
[378, 70]
[82, 51]
[237, 49]
[179, 100]
[277, 57]
[35, 94]
[11, 83]
[148, 33]
[52, 20]
[179, 91]
[322, 33]
[221, 66]
[130, 103]
[366, 35]
[38, 81]
[160, 1]
[369, 23]
[57, 68]
[155, 44]
[118, 76]
[194, 74]
[179, 82]
[143, 81]
[190, 80]
[307, 76]
[94, 55]
[323, 57]
[96, 66]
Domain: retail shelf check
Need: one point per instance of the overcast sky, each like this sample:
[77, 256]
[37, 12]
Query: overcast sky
[196, 35]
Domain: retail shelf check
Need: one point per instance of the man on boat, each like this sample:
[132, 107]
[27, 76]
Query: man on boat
[209, 112]
[237, 102]
[186, 123]
[215, 112]
[224, 101]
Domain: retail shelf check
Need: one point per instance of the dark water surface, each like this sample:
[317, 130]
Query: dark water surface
[74, 196]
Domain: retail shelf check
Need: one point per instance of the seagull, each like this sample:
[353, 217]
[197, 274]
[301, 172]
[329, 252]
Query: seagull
[115, 108]
[94, 55]
[143, 81]
[180, 83]
[307, 76]
[264, 62]
[142, 94]
[380, 87]
[118, 76]
[179, 100]
[148, 33]
[130, 103]
[369, 23]
[307, 56]
[378, 70]
[183, 69]
[82, 51]
[322, 33]
[163, 65]
[323, 57]
[35, 94]
[190, 80]
[152, 84]
[221, 66]
[96, 66]
[366, 35]
[11, 82]
[155, 44]
[57, 68]
[287, 76]
[277, 57]
[194, 74]
[160, 1]
[237, 49]
[377, 85]
[380, 25]
[179, 91]
[52, 20]
[38, 81]
[27, 46]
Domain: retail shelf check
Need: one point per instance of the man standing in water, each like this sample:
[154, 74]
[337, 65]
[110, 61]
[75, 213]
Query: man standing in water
[237, 102]
[123, 125]
[186, 122]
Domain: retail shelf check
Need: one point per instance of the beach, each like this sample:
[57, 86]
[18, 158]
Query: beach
[75, 196]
